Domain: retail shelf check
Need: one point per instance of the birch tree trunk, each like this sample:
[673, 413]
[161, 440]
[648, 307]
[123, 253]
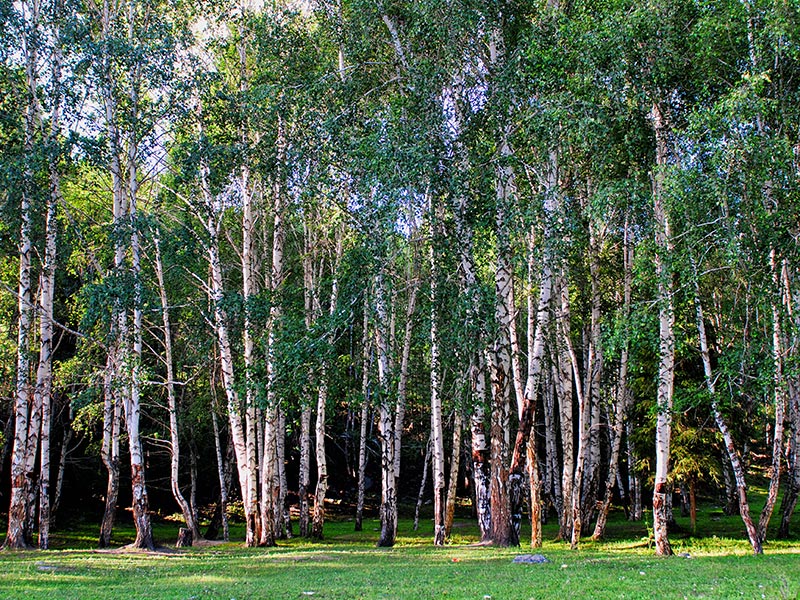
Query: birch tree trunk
[223, 484]
[216, 296]
[172, 404]
[362, 438]
[779, 393]
[322, 401]
[733, 454]
[622, 395]
[437, 433]
[452, 482]
[109, 453]
[44, 375]
[666, 319]
[16, 534]
[793, 388]
[385, 422]
[271, 501]
[537, 326]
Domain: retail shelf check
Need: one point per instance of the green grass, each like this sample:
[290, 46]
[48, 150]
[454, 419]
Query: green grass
[348, 565]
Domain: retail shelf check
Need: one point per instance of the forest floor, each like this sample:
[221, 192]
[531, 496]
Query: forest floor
[717, 563]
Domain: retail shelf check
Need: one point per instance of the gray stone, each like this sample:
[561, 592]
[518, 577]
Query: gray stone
[531, 559]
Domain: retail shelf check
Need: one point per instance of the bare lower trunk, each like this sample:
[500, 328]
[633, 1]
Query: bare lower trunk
[112, 415]
[422, 483]
[780, 406]
[536, 492]
[62, 465]
[538, 323]
[733, 454]
[622, 397]
[322, 464]
[223, 485]
[480, 452]
[792, 492]
[452, 482]
[304, 479]
[385, 425]
[437, 432]
[362, 438]
[634, 480]
[172, 403]
[565, 393]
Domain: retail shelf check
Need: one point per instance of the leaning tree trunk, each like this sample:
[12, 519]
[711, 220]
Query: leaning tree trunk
[733, 454]
[779, 393]
[623, 394]
[172, 404]
[216, 293]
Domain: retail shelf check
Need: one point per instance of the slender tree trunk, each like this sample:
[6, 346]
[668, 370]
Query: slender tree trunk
[362, 438]
[223, 484]
[216, 295]
[283, 519]
[172, 404]
[62, 465]
[779, 392]
[584, 424]
[565, 389]
[385, 423]
[304, 478]
[437, 430]
[44, 375]
[623, 393]
[634, 480]
[322, 401]
[16, 534]
[423, 482]
[666, 319]
[271, 506]
[733, 454]
[112, 415]
[452, 482]
[538, 323]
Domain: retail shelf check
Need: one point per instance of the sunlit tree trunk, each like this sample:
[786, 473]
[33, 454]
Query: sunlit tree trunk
[666, 320]
[437, 432]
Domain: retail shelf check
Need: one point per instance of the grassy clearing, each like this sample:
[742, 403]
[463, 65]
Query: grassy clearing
[348, 565]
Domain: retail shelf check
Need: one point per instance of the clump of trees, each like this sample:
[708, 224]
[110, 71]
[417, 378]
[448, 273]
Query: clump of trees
[533, 237]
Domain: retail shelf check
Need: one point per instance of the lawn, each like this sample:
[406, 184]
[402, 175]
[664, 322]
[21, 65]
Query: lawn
[348, 565]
